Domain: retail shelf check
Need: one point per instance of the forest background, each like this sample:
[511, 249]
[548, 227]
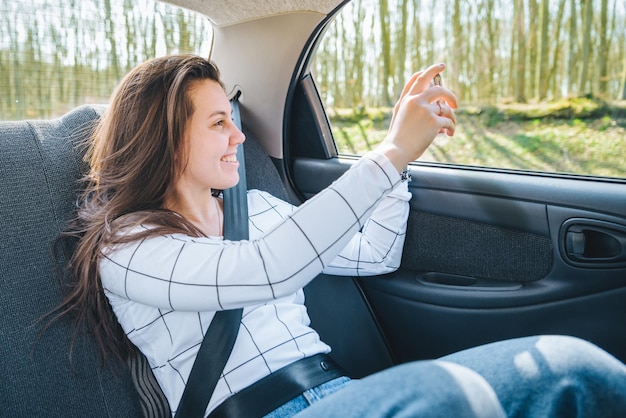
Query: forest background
[542, 83]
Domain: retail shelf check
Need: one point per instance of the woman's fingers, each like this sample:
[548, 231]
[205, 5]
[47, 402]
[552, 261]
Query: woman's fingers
[424, 79]
[445, 116]
[421, 82]
[443, 109]
[423, 111]
[416, 84]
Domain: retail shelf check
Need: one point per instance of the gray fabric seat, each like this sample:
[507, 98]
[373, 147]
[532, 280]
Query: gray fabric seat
[39, 169]
[40, 164]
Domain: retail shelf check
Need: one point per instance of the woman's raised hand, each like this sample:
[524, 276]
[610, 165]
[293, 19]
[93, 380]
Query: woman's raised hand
[423, 111]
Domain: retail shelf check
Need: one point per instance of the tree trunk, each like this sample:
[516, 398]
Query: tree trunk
[386, 52]
[358, 69]
[603, 74]
[545, 49]
[416, 57]
[584, 86]
[573, 48]
[458, 49]
[555, 67]
[492, 45]
[114, 63]
[623, 95]
[400, 48]
[521, 52]
[531, 48]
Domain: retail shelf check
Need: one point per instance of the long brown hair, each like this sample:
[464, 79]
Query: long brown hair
[132, 163]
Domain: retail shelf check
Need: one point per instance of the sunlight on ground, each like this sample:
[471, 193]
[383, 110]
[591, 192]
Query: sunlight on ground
[590, 146]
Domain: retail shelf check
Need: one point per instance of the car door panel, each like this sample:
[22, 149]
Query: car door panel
[418, 330]
[485, 259]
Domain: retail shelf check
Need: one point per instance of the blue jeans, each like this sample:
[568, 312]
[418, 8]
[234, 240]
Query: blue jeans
[546, 376]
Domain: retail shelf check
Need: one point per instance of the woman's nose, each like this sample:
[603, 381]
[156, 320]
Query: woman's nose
[237, 137]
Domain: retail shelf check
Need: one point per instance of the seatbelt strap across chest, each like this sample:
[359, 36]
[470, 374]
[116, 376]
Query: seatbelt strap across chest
[220, 338]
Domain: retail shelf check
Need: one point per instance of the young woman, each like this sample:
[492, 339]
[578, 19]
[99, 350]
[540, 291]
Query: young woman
[151, 267]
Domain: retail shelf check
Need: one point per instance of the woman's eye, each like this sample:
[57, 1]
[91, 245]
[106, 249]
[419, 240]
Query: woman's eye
[219, 123]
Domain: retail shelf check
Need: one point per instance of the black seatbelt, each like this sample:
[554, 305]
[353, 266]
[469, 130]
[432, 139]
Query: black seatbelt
[220, 338]
[236, 198]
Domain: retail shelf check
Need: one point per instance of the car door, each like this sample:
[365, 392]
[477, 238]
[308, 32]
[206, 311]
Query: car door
[491, 252]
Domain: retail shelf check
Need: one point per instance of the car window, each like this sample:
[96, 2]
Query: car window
[541, 83]
[59, 54]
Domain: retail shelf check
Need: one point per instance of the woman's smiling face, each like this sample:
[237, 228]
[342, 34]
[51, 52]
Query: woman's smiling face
[210, 143]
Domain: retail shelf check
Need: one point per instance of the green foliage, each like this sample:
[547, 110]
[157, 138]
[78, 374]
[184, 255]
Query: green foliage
[567, 108]
[571, 137]
[49, 71]
[494, 49]
[375, 115]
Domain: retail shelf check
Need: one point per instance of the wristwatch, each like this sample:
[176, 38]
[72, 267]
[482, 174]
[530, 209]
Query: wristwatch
[405, 175]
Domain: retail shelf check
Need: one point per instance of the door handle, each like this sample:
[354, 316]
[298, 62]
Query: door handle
[589, 242]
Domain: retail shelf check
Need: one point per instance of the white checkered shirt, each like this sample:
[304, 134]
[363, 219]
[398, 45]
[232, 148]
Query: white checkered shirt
[165, 290]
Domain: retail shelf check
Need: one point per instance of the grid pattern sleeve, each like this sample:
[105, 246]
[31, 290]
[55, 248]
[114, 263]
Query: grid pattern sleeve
[177, 272]
[377, 248]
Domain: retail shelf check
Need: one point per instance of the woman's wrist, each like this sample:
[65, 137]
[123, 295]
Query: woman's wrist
[396, 156]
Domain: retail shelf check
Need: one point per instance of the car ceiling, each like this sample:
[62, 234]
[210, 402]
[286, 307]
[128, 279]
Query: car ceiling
[257, 45]
[225, 12]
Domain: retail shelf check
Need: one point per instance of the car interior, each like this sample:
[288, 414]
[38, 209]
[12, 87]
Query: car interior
[489, 254]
